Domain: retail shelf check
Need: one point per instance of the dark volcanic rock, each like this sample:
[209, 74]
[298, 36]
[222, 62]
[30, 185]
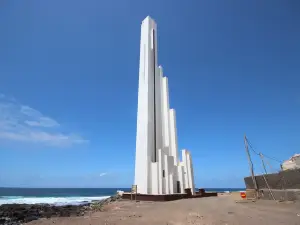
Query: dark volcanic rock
[10, 213]
[14, 214]
[98, 205]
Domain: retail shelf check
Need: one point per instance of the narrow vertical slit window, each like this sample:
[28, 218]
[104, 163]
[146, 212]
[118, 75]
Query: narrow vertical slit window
[152, 39]
[144, 62]
[154, 97]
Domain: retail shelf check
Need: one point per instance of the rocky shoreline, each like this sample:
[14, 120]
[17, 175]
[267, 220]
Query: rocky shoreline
[16, 214]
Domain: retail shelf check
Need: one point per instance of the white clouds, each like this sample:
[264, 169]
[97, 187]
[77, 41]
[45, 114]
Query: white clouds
[39, 119]
[22, 123]
[42, 122]
[102, 174]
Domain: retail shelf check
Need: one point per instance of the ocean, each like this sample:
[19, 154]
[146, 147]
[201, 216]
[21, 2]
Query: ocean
[67, 196]
[56, 196]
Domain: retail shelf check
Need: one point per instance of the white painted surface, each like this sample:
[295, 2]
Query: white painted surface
[185, 171]
[154, 181]
[190, 172]
[160, 171]
[170, 174]
[180, 178]
[171, 184]
[173, 136]
[165, 111]
[157, 165]
[166, 177]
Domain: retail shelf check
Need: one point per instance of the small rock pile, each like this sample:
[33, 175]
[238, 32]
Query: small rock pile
[15, 214]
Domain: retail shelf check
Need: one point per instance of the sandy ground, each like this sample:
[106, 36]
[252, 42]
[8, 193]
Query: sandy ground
[213, 210]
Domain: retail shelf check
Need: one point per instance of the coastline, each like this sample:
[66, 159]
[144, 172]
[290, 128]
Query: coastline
[73, 196]
[211, 210]
[19, 209]
[219, 210]
[57, 201]
[14, 214]
[56, 196]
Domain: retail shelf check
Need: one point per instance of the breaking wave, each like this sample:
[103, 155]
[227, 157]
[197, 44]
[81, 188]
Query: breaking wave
[49, 200]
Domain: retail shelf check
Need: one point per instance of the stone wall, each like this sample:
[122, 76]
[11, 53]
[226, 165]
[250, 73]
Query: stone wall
[288, 179]
[279, 195]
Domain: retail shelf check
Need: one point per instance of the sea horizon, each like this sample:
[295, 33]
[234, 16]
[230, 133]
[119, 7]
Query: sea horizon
[98, 187]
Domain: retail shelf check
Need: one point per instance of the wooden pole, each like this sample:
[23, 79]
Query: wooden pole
[250, 164]
[263, 163]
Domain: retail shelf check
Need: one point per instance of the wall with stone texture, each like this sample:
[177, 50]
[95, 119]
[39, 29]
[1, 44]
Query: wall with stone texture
[288, 179]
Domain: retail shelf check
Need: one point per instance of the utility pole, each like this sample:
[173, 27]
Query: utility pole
[250, 164]
[263, 163]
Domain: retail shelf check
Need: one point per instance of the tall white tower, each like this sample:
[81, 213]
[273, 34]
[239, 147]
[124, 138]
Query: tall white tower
[157, 166]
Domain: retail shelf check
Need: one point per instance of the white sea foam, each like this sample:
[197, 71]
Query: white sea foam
[48, 200]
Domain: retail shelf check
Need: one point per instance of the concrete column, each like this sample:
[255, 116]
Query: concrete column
[158, 109]
[173, 136]
[190, 172]
[165, 112]
[181, 178]
[166, 175]
[160, 171]
[154, 173]
[171, 174]
[185, 171]
[171, 186]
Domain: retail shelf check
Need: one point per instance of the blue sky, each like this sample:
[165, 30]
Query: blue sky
[69, 80]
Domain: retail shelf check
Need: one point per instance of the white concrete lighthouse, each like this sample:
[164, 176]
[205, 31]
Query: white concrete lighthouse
[158, 169]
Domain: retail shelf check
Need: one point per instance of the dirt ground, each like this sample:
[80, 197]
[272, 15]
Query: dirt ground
[210, 211]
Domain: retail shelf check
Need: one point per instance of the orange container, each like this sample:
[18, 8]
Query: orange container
[243, 195]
